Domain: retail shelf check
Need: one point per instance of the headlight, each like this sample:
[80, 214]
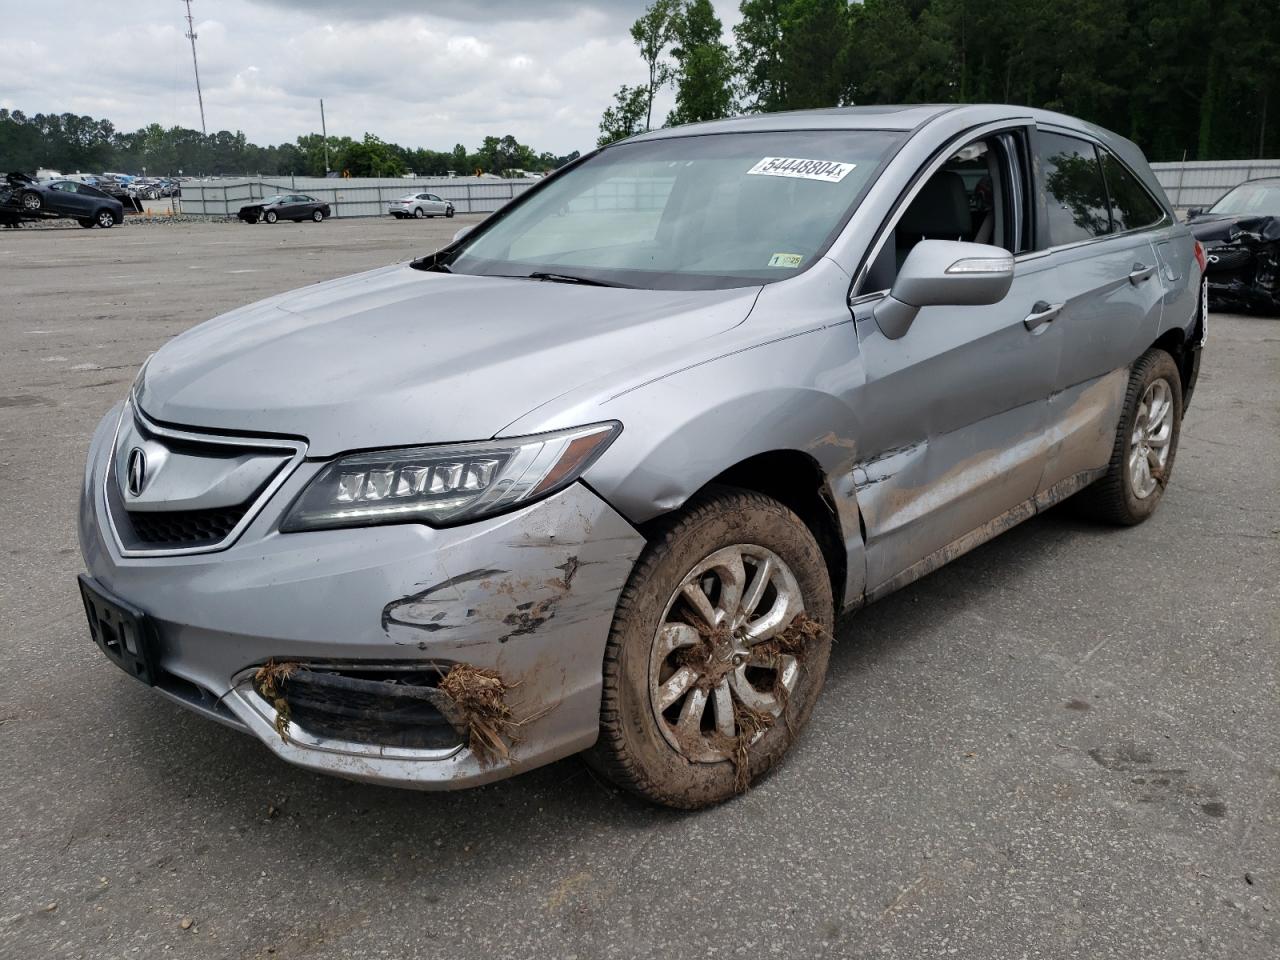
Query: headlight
[446, 484]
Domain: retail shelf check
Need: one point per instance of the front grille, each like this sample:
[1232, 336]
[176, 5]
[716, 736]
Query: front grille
[1226, 258]
[192, 492]
[185, 528]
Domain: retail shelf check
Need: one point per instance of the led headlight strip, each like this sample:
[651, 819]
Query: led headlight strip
[446, 484]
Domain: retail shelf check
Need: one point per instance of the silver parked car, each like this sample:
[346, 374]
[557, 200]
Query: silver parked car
[420, 205]
[601, 475]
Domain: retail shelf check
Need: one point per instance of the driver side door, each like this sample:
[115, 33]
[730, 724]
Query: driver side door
[957, 408]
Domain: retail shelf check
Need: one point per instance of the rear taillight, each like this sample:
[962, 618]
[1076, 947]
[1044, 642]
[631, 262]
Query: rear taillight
[1199, 248]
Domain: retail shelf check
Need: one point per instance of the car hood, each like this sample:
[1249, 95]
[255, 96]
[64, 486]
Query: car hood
[1222, 228]
[399, 356]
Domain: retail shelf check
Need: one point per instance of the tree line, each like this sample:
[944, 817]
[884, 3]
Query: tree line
[70, 143]
[1193, 78]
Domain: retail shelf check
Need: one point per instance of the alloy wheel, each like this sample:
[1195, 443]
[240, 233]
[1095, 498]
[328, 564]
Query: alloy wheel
[1149, 442]
[712, 672]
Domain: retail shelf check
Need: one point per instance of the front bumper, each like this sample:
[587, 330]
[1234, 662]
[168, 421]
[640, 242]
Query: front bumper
[530, 595]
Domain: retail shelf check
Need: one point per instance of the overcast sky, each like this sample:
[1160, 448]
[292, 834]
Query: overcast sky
[423, 73]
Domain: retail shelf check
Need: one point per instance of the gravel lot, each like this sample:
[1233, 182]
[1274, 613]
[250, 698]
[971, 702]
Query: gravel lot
[1065, 744]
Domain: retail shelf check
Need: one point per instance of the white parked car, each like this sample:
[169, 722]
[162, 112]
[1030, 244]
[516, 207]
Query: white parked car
[420, 205]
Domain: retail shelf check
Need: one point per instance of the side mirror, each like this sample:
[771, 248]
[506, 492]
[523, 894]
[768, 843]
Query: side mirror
[463, 232]
[1194, 212]
[944, 273]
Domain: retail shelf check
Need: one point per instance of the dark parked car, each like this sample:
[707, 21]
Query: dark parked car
[25, 199]
[286, 206]
[1241, 237]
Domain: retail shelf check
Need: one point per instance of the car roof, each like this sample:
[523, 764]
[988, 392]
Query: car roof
[909, 118]
[890, 117]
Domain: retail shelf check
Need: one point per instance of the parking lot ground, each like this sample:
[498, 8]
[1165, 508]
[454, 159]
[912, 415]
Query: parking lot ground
[1065, 744]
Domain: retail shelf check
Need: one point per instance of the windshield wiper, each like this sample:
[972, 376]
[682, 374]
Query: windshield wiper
[570, 278]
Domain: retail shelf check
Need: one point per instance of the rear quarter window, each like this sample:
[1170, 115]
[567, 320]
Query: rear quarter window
[1132, 207]
[1076, 194]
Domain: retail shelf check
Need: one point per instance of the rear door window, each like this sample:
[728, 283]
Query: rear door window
[1132, 207]
[1075, 192]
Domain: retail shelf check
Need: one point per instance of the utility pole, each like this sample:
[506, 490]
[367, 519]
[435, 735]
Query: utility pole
[324, 135]
[191, 35]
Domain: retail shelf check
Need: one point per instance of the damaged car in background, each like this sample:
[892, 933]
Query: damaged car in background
[1241, 238]
[23, 198]
[600, 476]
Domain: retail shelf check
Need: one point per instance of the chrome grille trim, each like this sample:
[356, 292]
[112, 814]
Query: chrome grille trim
[296, 449]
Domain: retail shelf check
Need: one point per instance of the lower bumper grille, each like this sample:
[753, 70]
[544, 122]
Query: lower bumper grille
[391, 708]
[185, 528]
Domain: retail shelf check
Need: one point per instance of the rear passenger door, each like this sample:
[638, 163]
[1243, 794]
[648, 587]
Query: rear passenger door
[1097, 230]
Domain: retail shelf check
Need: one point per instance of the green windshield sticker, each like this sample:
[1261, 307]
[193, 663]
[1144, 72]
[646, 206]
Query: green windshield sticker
[786, 260]
[828, 171]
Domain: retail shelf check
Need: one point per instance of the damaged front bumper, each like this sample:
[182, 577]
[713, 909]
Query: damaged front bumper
[527, 597]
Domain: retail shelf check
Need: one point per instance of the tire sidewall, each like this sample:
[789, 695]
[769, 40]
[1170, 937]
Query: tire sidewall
[270, 216]
[1153, 366]
[317, 216]
[742, 519]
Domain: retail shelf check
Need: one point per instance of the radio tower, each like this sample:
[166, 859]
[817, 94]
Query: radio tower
[191, 35]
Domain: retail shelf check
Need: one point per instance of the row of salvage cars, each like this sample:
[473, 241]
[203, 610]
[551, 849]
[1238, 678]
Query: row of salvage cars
[24, 199]
[1241, 238]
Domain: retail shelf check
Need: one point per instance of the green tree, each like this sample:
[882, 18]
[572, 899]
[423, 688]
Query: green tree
[653, 33]
[704, 65]
[793, 54]
[626, 117]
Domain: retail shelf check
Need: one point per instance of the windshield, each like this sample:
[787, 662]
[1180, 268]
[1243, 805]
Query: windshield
[1261, 199]
[276, 199]
[697, 212]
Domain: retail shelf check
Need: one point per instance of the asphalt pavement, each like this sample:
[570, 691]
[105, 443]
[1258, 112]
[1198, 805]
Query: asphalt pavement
[1065, 744]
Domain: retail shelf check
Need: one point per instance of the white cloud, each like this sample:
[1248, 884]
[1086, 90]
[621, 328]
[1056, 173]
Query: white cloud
[421, 74]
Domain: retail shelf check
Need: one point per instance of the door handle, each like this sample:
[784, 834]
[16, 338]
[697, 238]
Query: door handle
[1140, 272]
[1041, 314]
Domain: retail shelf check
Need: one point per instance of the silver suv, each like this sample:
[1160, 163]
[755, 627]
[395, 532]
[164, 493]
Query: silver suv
[601, 475]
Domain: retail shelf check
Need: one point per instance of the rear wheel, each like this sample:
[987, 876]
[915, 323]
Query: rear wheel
[270, 216]
[718, 650]
[86, 222]
[106, 219]
[417, 213]
[1146, 444]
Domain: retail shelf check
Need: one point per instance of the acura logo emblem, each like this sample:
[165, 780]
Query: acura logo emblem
[137, 471]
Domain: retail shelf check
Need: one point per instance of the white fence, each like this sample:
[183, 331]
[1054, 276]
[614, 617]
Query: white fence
[1191, 184]
[1199, 184]
[348, 198]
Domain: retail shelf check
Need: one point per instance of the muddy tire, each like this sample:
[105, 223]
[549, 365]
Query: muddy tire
[1146, 444]
[705, 745]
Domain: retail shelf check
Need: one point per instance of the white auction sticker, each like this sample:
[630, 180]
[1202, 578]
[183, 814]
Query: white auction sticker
[829, 171]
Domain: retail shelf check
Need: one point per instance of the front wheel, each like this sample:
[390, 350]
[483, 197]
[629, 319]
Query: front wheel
[32, 202]
[449, 213]
[317, 215]
[270, 216]
[1145, 445]
[718, 650]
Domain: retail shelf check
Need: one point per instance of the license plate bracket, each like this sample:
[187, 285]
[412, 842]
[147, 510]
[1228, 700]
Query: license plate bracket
[123, 632]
